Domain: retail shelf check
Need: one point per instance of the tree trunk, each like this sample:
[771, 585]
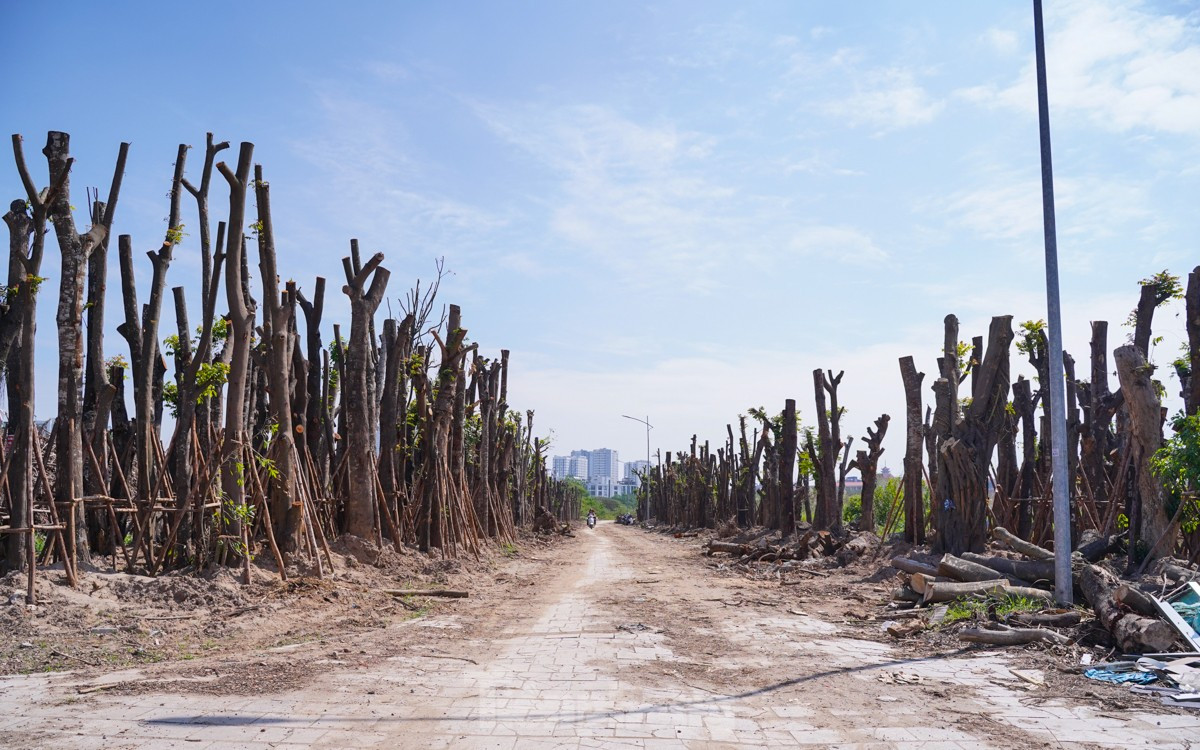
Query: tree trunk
[787, 469]
[1145, 416]
[361, 502]
[914, 516]
[74, 250]
[287, 509]
[241, 323]
[1133, 633]
[868, 465]
[1024, 406]
[967, 455]
[25, 260]
[1192, 324]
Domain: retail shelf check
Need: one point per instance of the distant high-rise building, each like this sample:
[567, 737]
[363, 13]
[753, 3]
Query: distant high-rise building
[559, 467]
[603, 463]
[601, 469]
[578, 467]
[574, 465]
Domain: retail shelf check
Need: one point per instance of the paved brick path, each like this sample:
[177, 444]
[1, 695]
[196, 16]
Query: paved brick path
[565, 675]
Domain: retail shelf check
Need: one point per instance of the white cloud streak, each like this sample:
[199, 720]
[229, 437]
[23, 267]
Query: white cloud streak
[1115, 63]
[887, 99]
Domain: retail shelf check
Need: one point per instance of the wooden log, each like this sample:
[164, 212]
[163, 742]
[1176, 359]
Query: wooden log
[944, 592]
[912, 566]
[1095, 547]
[919, 581]
[1133, 633]
[448, 593]
[728, 547]
[959, 569]
[1028, 549]
[1135, 600]
[905, 594]
[1013, 636]
[1026, 570]
[1179, 573]
[1060, 619]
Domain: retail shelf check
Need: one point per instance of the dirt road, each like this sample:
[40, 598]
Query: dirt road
[621, 639]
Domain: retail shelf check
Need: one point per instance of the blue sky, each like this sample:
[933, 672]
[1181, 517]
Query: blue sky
[676, 208]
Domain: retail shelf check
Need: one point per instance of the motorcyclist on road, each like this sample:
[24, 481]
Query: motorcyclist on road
[591, 518]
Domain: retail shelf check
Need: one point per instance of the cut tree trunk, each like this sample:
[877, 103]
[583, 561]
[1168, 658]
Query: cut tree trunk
[1133, 633]
[966, 570]
[1013, 636]
[241, 323]
[914, 503]
[361, 502]
[944, 592]
[1028, 549]
[1145, 436]
[1026, 570]
[912, 566]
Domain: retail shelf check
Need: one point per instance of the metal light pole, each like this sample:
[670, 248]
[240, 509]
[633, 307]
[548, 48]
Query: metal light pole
[646, 473]
[1063, 586]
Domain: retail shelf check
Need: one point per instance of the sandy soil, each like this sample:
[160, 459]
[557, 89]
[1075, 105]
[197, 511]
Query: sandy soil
[114, 620]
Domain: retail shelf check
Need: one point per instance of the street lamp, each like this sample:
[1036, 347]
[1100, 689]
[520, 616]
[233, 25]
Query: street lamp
[646, 473]
[1058, 412]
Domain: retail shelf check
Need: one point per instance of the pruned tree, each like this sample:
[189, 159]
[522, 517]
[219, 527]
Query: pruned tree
[867, 462]
[362, 500]
[75, 249]
[966, 456]
[1192, 324]
[827, 515]
[286, 507]
[914, 502]
[787, 469]
[241, 327]
[1150, 524]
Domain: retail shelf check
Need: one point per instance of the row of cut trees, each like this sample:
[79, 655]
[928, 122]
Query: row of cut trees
[281, 437]
[978, 455]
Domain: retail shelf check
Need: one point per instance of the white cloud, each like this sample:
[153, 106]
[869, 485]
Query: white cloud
[1116, 63]
[844, 244]
[361, 155]
[818, 164]
[388, 72]
[1002, 41]
[887, 99]
[1009, 209]
[653, 201]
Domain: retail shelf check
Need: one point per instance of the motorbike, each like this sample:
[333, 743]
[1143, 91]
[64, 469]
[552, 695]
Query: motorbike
[591, 522]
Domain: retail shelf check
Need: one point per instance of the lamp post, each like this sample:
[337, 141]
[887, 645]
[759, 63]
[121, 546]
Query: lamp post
[646, 473]
[1058, 412]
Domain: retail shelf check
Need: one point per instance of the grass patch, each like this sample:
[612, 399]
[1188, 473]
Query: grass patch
[964, 609]
[981, 607]
[1012, 604]
[608, 508]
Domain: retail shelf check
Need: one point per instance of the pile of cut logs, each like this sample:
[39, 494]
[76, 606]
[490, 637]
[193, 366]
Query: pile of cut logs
[1028, 571]
[809, 545]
